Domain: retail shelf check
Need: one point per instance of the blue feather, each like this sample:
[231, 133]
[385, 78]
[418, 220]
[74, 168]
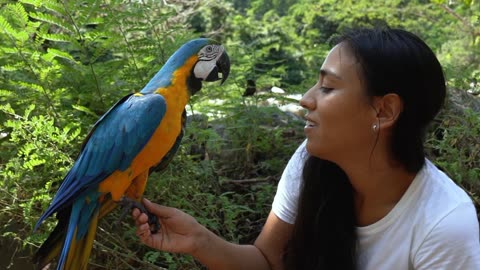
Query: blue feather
[90, 206]
[76, 208]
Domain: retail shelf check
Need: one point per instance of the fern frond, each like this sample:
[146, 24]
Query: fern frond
[8, 50]
[7, 108]
[48, 18]
[35, 3]
[5, 93]
[85, 110]
[19, 12]
[57, 37]
[6, 27]
[52, 53]
[12, 33]
[54, 6]
[90, 13]
[10, 68]
[31, 86]
[40, 31]
[95, 20]
[94, 35]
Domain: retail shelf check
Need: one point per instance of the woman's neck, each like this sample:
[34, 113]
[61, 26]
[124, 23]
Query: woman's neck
[379, 183]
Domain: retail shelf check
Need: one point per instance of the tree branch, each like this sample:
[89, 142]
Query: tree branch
[466, 23]
[248, 181]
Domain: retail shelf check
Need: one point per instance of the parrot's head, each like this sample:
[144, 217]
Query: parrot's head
[213, 63]
[197, 60]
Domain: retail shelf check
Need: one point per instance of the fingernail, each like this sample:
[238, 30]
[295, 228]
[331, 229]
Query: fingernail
[146, 200]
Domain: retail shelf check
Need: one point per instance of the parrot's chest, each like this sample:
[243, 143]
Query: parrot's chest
[167, 132]
[163, 139]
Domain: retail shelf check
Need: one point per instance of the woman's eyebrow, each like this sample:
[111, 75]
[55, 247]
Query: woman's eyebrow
[325, 72]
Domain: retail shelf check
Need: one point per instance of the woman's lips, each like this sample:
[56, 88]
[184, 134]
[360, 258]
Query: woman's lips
[310, 124]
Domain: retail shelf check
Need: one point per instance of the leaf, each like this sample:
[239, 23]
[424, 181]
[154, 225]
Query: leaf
[30, 164]
[57, 37]
[6, 27]
[35, 3]
[5, 93]
[54, 6]
[31, 86]
[20, 13]
[28, 110]
[85, 110]
[45, 17]
[52, 53]
[474, 19]
[7, 108]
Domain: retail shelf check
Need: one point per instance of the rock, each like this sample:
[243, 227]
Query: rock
[459, 100]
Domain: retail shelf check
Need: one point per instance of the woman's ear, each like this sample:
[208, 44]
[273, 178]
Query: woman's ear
[388, 108]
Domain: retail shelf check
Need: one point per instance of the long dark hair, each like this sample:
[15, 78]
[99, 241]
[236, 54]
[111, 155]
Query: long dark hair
[390, 61]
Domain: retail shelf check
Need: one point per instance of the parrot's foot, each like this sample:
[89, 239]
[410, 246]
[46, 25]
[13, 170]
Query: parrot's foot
[128, 204]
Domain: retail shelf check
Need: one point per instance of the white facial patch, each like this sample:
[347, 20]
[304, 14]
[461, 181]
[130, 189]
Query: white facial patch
[203, 68]
[207, 60]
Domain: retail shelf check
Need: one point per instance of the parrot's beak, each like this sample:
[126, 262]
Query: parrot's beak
[222, 66]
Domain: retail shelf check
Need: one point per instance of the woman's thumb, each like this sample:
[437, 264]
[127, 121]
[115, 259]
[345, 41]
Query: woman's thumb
[158, 210]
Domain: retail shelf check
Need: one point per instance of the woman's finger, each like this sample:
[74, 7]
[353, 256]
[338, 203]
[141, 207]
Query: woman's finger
[159, 210]
[143, 230]
[141, 219]
[135, 213]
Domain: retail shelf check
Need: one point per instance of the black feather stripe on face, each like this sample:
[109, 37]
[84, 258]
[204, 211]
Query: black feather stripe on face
[193, 84]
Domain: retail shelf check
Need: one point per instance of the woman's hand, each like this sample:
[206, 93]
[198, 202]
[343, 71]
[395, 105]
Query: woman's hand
[179, 232]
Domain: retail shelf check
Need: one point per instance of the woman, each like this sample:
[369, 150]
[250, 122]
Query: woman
[362, 195]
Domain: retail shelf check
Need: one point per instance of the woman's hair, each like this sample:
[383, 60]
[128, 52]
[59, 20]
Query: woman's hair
[389, 61]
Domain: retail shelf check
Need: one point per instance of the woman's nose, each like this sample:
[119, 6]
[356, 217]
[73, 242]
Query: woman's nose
[307, 102]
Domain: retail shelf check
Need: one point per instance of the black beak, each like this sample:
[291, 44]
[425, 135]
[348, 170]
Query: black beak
[222, 66]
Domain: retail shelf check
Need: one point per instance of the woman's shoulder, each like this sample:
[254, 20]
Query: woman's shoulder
[438, 200]
[439, 216]
[439, 188]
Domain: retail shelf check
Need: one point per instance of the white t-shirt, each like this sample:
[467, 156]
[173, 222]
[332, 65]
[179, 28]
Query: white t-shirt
[433, 226]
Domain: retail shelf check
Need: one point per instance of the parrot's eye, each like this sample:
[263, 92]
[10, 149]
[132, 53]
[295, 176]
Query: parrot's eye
[209, 49]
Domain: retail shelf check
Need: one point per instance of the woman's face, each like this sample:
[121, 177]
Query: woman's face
[340, 118]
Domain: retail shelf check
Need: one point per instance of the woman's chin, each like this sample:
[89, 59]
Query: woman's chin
[314, 149]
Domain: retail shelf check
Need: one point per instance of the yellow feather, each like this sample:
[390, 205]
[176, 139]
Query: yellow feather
[79, 252]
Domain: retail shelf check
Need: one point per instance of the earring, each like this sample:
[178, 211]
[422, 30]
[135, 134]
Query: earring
[374, 127]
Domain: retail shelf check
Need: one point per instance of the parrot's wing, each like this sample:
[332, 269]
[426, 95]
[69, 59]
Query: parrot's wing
[115, 140]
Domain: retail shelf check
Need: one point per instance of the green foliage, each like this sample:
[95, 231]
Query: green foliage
[456, 148]
[73, 60]
[460, 55]
[72, 49]
[37, 155]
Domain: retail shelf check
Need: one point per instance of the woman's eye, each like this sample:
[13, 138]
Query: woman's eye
[326, 89]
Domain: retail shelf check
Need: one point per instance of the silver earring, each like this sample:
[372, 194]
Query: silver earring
[374, 127]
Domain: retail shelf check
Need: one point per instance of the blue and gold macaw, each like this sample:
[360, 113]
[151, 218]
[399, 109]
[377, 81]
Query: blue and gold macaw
[140, 132]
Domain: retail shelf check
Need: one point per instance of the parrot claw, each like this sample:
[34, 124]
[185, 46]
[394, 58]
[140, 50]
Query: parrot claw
[128, 204]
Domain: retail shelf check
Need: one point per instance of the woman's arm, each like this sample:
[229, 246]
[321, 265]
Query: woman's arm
[181, 233]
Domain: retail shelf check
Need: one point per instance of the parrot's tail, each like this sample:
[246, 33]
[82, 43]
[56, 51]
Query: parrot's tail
[79, 249]
[72, 238]
[51, 247]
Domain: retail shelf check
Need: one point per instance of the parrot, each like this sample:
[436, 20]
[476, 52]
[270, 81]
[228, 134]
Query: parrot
[137, 135]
